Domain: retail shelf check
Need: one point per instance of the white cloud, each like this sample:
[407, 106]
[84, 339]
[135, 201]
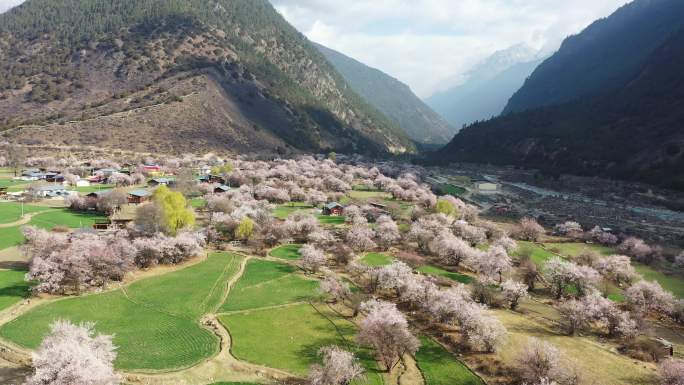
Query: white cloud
[7, 4]
[430, 44]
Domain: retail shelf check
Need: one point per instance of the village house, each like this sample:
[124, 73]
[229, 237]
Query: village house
[485, 186]
[333, 209]
[94, 196]
[50, 191]
[221, 189]
[217, 179]
[137, 197]
[52, 177]
[107, 172]
[156, 182]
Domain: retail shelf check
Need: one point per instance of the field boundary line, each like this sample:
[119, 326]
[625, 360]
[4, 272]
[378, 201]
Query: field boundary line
[272, 307]
[337, 329]
[229, 266]
[233, 280]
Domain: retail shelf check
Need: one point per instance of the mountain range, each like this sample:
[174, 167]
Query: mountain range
[176, 76]
[610, 102]
[393, 98]
[487, 87]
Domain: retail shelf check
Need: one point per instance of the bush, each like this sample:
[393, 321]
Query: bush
[645, 349]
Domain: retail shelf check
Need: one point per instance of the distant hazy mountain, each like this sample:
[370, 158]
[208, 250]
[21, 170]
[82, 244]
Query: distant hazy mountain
[634, 131]
[392, 97]
[488, 87]
[603, 57]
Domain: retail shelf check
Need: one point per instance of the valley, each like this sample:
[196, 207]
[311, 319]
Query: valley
[287, 192]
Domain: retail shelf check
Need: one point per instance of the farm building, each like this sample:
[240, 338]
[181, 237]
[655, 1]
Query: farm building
[217, 179]
[155, 182]
[333, 209]
[221, 189]
[485, 186]
[50, 191]
[139, 196]
[98, 194]
[107, 171]
[52, 177]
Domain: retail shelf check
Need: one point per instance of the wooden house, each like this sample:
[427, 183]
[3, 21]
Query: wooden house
[333, 209]
[156, 182]
[137, 197]
[221, 189]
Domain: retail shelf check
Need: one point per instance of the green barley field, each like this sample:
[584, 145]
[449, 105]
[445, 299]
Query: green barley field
[155, 321]
[376, 259]
[289, 338]
[439, 367]
[266, 283]
[289, 252]
[13, 287]
[437, 271]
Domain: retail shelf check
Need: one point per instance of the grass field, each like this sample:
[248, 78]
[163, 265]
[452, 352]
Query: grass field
[94, 188]
[283, 211]
[597, 362]
[10, 236]
[13, 287]
[671, 283]
[668, 282]
[538, 255]
[47, 219]
[450, 189]
[11, 211]
[233, 383]
[437, 271]
[12, 183]
[439, 367]
[65, 218]
[377, 259]
[155, 321]
[330, 220]
[289, 338]
[290, 252]
[198, 202]
[368, 195]
[266, 283]
[576, 248]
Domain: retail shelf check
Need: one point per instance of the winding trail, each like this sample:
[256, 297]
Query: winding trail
[23, 221]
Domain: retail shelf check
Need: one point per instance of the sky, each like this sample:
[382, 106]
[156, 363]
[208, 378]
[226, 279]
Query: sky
[431, 44]
[7, 4]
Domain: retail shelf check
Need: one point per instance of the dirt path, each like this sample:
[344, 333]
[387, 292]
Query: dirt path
[26, 219]
[405, 372]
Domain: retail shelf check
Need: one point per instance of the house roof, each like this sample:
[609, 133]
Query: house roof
[333, 205]
[140, 193]
[99, 193]
[222, 187]
[50, 187]
[163, 180]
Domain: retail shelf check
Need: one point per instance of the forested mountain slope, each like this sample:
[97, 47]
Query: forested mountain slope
[603, 57]
[392, 97]
[177, 75]
[635, 132]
